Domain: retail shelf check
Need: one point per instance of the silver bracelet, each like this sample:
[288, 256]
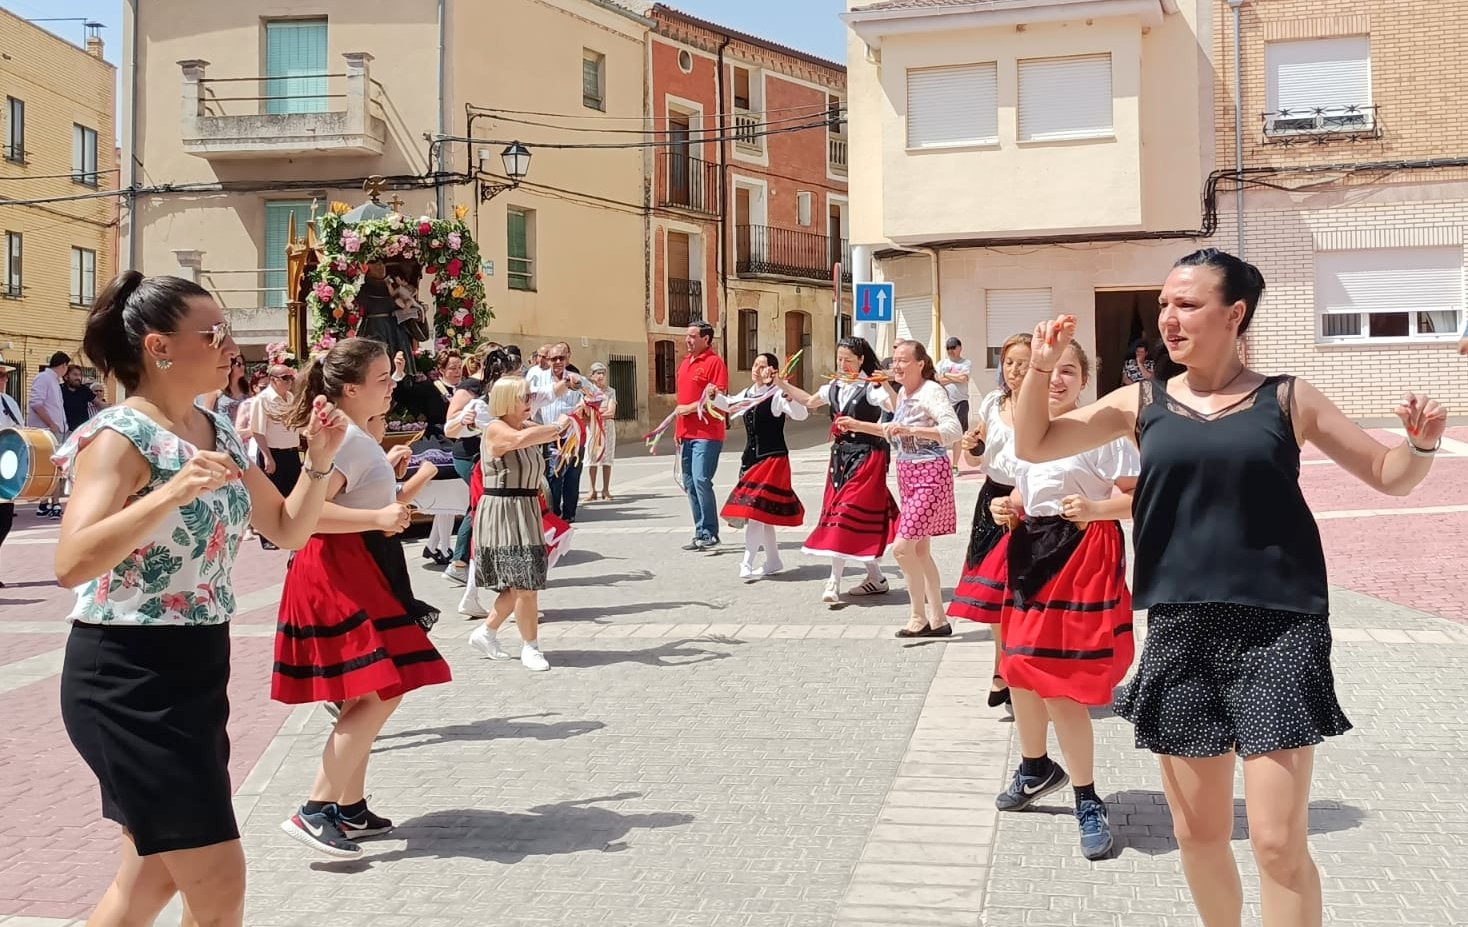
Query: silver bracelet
[1424, 452]
[316, 476]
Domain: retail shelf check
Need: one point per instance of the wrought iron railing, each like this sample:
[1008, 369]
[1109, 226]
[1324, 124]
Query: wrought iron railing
[685, 302]
[688, 183]
[1321, 123]
[762, 250]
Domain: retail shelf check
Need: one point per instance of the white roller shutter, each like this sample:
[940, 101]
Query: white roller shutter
[953, 106]
[1426, 284]
[915, 319]
[1329, 73]
[1011, 312]
[1064, 98]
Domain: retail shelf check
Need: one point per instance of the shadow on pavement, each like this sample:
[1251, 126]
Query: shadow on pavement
[1326, 817]
[633, 608]
[605, 579]
[515, 726]
[512, 837]
[673, 653]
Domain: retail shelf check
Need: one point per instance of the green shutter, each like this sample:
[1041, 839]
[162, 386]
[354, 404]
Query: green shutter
[520, 275]
[295, 49]
[277, 229]
[591, 94]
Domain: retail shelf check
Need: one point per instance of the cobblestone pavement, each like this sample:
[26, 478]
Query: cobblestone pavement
[707, 752]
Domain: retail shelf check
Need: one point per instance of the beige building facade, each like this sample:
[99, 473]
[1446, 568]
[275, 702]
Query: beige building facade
[1046, 156]
[252, 114]
[56, 145]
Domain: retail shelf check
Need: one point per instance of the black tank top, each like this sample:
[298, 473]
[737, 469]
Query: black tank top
[1218, 512]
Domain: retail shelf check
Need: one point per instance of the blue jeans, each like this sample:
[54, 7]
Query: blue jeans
[565, 487]
[465, 469]
[700, 460]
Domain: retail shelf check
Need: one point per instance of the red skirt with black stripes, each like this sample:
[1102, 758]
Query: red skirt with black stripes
[1071, 638]
[344, 632]
[858, 514]
[763, 494]
[982, 591]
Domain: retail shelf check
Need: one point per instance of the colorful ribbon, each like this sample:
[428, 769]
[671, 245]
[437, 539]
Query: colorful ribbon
[791, 363]
[653, 437]
[568, 448]
[876, 377]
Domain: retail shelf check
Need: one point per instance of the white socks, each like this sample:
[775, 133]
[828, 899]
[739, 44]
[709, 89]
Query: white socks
[758, 535]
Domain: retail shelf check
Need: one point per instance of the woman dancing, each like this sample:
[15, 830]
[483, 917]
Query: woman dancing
[1230, 566]
[858, 515]
[162, 493]
[993, 437]
[922, 429]
[350, 628]
[1064, 606]
[763, 498]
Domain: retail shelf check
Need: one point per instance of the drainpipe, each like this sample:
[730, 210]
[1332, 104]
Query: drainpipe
[724, 202]
[936, 269]
[132, 148]
[439, 202]
[1237, 7]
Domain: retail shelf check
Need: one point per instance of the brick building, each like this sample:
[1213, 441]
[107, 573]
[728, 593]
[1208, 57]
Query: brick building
[749, 197]
[56, 143]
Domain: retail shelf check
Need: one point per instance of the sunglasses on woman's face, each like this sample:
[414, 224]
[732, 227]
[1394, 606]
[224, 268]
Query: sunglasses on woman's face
[217, 334]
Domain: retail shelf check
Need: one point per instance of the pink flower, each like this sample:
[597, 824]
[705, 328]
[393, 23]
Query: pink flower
[324, 292]
[175, 602]
[216, 542]
[456, 241]
[351, 241]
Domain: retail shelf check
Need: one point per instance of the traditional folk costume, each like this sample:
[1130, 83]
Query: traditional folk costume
[1001, 471]
[924, 476]
[1060, 589]
[349, 622]
[763, 497]
[858, 515]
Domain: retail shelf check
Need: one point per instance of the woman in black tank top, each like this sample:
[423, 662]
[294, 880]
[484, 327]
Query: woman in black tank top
[1229, 565]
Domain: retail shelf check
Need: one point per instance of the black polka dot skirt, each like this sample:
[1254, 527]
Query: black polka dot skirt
[1216, 678]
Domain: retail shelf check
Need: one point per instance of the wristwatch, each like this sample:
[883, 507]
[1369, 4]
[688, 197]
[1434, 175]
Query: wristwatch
[316, 475]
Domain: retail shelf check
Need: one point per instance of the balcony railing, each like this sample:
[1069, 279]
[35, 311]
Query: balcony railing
[1322, 123]
[836, 153]
[685, 302]
[747, 134]
[263, 116]
[688, 183]
[252, 298]
[764, 251]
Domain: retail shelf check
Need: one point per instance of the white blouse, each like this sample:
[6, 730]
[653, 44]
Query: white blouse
[780, 404]
[1091, 474]
[927, 407]
[1000, 462]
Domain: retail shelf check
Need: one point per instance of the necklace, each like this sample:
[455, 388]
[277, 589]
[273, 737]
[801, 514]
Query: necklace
[1210, 392]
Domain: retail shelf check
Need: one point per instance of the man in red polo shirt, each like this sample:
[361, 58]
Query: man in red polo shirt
[700, 437]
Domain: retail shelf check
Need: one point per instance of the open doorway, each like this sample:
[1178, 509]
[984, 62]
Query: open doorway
[1123, 317]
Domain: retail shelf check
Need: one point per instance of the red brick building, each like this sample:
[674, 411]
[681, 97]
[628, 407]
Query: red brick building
[749, 198]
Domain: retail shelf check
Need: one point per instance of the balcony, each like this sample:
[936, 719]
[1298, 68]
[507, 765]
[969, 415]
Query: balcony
[1321, 124]
[685, 302]
[310, 115]
[687, 183]
[748, 133]
[761, 251]
[836, 154]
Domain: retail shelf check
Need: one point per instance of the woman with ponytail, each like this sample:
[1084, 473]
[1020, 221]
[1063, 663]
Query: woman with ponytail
[1230, 566]
[162, 493]
[350, 629]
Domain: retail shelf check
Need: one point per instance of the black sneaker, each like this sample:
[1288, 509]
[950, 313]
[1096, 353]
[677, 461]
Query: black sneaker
[365, 824]
[55, 511]
[1026, 790]
[321, 832]
[44, 511]
[1096, 839]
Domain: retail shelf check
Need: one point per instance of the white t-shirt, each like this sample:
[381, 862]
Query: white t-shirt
[370, 480]
[1091, 474]
[957, 392]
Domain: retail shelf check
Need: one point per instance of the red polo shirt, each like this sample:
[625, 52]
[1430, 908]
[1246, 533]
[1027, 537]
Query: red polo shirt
[694, 375]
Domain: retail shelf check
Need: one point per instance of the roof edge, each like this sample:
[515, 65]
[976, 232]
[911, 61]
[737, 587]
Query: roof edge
[767, 44]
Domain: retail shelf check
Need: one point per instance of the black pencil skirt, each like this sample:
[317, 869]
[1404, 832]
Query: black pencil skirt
[146, 708]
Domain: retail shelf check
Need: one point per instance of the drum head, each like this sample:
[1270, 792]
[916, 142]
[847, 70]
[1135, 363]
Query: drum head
[15, 463]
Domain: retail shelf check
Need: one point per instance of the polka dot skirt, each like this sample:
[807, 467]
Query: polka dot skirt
[1216, 678]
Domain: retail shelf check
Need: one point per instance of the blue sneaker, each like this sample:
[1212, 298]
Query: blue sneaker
[1096, 839]
[1026, 790]
[321, 832]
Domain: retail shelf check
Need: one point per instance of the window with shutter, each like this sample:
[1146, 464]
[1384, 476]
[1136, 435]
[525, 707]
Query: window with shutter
[1010, 312]
[665, 368]
[1318, 86]
[520, 248]
[748, 338]
[15, 130]
[1065, 98]
[1390, 293]
[593, 79]
[953, 106]
[915, 319]
[295, 66]
[277, 236]
[83, 276]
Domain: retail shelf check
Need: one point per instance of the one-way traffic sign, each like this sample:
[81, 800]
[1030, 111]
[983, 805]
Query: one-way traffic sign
[875, 302]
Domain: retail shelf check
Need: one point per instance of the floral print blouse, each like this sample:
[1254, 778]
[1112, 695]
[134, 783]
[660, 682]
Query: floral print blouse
[181, 574]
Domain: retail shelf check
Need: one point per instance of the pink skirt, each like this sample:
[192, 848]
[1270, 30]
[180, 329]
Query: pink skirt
[925, 497]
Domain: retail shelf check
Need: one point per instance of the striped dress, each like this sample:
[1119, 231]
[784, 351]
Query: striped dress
[509, 535]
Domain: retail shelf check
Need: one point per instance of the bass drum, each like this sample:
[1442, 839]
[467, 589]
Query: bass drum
[26, 470]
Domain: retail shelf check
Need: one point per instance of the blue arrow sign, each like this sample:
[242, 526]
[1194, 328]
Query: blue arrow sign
[875, 302]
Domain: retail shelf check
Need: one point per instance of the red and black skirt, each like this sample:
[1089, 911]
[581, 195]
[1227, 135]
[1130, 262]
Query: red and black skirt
[858, 514]
[349, 625]
[1067, 621]
[975, 595]
[763, 494]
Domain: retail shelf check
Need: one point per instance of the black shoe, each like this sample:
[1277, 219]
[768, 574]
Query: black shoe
[999, 697]
[430, 554]
[55, 511]
[364, 825]
[43, 510]
[944, 630]
[1025, 790]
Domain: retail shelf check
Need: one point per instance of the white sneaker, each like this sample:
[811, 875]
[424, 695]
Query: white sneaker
[533, 659]
[749, 573]
[456, 574]
[469, 603]
[872, 587]
[487, 643]
[832, 595]
[772, 567]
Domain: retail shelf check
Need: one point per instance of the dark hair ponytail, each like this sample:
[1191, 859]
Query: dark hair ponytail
[328, 374]
[858, 345]
[1238, 281]
[770, 359]
[126, 310]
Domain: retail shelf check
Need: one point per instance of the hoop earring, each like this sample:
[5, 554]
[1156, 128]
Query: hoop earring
[163, 363]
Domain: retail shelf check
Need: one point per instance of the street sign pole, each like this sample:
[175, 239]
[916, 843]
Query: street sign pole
[835, 308]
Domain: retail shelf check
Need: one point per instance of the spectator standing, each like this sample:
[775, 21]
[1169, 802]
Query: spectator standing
[280, 446]
[1138, 365]
[46, 408]
[602, 443]
[9, 418]
[953, 375]
[700, 437]
[564, 476]
[77, 399]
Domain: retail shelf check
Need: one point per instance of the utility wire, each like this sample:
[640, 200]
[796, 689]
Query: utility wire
[734, 137]
[694, 134]
[814, 109]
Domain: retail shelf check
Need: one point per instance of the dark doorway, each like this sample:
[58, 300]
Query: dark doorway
[1122, 318]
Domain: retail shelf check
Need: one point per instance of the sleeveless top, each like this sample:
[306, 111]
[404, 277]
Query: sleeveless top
[180, 575]
[1218, 512]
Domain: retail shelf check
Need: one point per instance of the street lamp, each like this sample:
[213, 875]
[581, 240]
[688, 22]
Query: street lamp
[516, 161]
